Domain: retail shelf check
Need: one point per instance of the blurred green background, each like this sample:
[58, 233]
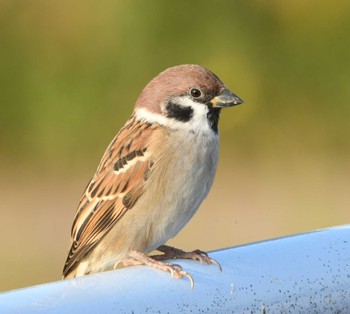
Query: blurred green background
[70, 72]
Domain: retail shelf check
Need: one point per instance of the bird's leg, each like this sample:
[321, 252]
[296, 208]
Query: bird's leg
[174, 253]
[139, 258]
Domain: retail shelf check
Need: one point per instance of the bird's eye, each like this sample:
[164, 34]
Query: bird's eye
[195, 92]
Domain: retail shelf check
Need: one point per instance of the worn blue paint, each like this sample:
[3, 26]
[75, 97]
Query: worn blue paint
[306, 273]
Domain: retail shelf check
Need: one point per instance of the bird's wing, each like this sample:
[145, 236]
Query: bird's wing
[115, 188]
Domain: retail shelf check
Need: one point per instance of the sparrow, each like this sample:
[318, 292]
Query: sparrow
[153, 176]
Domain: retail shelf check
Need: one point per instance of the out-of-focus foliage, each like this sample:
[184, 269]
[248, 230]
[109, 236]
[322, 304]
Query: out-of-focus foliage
[70, 72]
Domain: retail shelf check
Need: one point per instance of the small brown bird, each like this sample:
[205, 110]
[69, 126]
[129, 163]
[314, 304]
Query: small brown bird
[152, 177]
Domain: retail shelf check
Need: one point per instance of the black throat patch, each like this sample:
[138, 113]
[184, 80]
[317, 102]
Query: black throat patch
[213, 118]
[177, 112]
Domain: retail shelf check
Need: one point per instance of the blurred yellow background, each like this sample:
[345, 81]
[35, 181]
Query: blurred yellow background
[70, 72]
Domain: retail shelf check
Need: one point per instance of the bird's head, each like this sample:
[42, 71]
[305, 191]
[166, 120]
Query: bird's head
[185, 96]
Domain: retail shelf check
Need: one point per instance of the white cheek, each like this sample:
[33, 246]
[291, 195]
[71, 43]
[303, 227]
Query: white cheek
[198, 123]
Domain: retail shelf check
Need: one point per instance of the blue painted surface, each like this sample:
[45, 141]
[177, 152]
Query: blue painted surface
[306, 273]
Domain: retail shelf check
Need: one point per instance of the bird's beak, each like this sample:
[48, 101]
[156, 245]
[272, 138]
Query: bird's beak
[226, 99]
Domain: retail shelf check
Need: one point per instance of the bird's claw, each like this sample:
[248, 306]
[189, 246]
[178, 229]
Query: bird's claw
[203, 257]
[176, 271]
[197, 255]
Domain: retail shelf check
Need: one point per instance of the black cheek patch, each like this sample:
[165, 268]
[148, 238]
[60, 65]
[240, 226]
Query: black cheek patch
[177, 112]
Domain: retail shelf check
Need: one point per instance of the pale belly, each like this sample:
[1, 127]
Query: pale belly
[185, 184]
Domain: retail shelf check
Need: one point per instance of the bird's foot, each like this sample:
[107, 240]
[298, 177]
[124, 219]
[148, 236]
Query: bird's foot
[139, 258]
[174, 253]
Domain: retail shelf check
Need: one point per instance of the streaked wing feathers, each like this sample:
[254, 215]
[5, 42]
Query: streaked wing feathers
[115, 188]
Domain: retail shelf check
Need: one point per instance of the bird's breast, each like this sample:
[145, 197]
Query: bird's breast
[183, 177]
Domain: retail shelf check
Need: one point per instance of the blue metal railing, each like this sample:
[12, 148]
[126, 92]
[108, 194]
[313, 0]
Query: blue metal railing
[305, 273]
